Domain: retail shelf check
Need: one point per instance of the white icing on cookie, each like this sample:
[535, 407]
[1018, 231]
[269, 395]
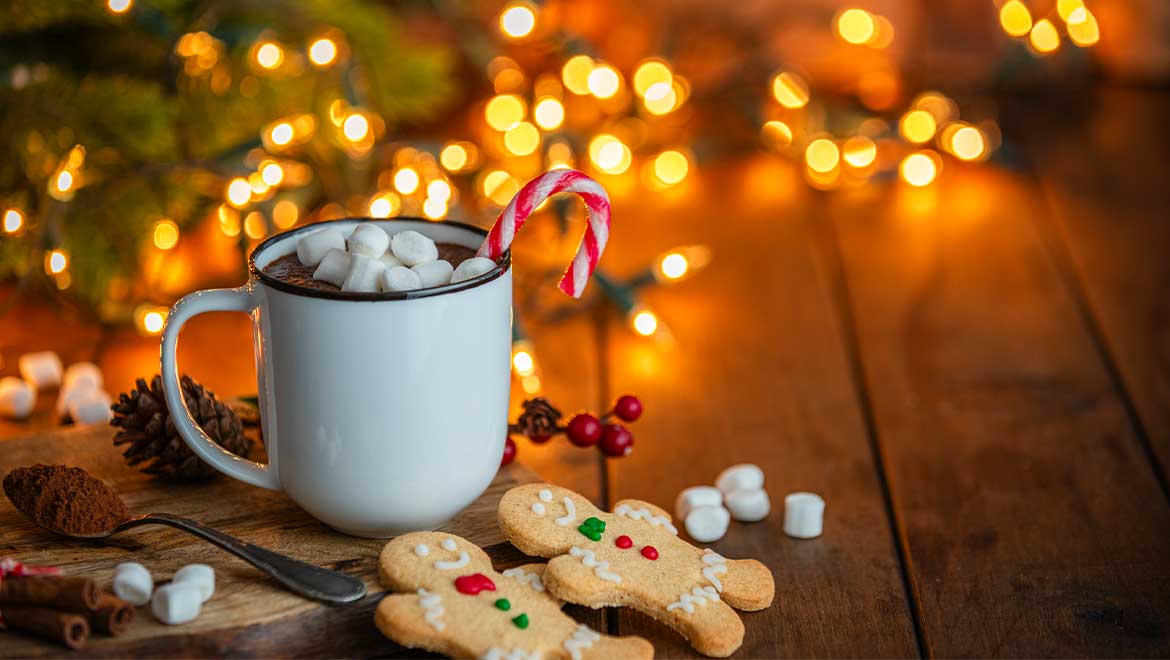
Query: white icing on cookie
[449, 544]
[432, 605]
[570, 515]
[642, 513]
[599, 567]
[422, 550]
[582, 638]
[545, 495]
[451, 565]
[538, 508]
[496, 653]
[532, 579]
[715, 564]
[698, 596]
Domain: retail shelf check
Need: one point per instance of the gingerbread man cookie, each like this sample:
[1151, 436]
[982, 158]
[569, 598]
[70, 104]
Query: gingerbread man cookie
[456, 603]
[634, 557]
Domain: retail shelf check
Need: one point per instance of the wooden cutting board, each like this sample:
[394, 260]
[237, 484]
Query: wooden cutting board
[250, 615]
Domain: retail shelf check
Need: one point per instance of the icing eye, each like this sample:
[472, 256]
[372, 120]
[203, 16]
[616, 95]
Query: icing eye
[449, 544]
[422, 550]
[546, 495]
[538, 508]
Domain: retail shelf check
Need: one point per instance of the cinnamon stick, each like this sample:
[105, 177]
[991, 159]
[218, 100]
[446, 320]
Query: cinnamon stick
[111, 616]
[70, 594]
[69, 629]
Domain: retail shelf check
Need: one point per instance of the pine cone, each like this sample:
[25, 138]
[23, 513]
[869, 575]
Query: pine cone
[539, 419]
[147, 427]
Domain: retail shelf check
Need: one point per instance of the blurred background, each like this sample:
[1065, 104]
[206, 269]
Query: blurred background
[148, 145]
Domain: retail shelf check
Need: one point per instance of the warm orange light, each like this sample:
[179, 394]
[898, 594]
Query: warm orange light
[281, 134]
[56, 261]
[385, 205]
[434, 209]
[439, 189]
[1015, 18]
[166, 234]
[859, 151]
[822, 155]
[504, 111]
[239, 192]
[272, 173]
[322, 52]
[522, 361]
[603, 81]
[517, 20]
[453, 157]
[285, 214]
[651, 72]
[153, 322]
[790, 90]
[575, 74]
[919, 168]
[269, 55]
[1065, 8]
[499, 187]
[119, 6]
[522, 139]
[406, 180]
[660, 98]
[355, 127]
[917, 126]
[64, 181]
[644, 322]
[548, 113]
[1082, 28]
[229, 221]
[609, 154]
[254, 225]
[1044, 37]
[13, 220]
[967, 143]
[776, 133]
[856, 26]
[671, 167]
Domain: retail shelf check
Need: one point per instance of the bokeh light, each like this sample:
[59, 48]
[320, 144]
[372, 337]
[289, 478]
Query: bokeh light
[609, 154]
[500, 187]
[575, 74]
[272, 173]
[651, 72]
[239, 192]
[517, 20]
[285, 214]
[790, 90]
[13, 220]
[859, 151]
[1015, 18]
[356, 127]
[523, 362]
[920, 168]
[522, 139]
[406, 180]
[166, 234]
[917, 126]
[822, 155]
[644, 322]
[385, 205]
[1082, 28]
[56, 261]
[434, 209]
[119, 6]
[856, 26]
[322, 52]
[457, 156]
[776, 134]
[548, 113]
[1044, 37]
[269, 55]
[966, 143]
[281, 134]
[671, 166]
[504, 111]
[603, 81]
[153, 321]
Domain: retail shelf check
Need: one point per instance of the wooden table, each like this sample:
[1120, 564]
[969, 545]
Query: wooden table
[975, 376]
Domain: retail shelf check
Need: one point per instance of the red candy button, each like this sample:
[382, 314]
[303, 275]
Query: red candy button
[650, 552]
[624, 542]
[474, 583]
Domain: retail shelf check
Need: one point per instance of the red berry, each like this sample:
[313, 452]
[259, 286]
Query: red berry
[540, 439]
[616, 440]
[509, 452]
[628, 408]
[650, 552]
[624, 542]
[584, 430]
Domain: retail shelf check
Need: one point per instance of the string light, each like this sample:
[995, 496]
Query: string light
[458, 156]
[603, 81]
[434, 209]
[522, 139]
[856, 26]
[257, 185]
[239, 192]
[154, 320]
[322, 52]
[504, 111]
[964, 141]
[406, 180]
[13, 220]
[385, 205]
[1065, 8]
[522, 361]
[166, 234]
[644, 322]
[439, 190]
[517, 20]
[269, 55]
[671, 167]
[499, 187]
[609, 154]
[859, 151]
[917, 126]
[229, 221]
[285, 214]
[790, 90]
[281, 134]
[919, 168]
[650, 73]
[660, 98]
[575, 74]
[822, 155]
[119, 6]
[56, 261]
[776, 134]
[355, 127]
[548, 113]
[272, 173]
[1015, 18]
[681, 262]
[64, 181]
[1082, 28]
[1044, 37]
[254, 225]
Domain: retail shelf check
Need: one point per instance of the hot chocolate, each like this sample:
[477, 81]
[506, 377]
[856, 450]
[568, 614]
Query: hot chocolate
[289, 268]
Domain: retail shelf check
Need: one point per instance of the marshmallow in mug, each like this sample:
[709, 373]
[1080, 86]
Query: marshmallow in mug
[473, 267]
[41, 369]
[333, 267]
[400, 278]
[133, 583]
[17, 398]
[412, 248]
[434, 273]
[363, 274]
[312, 248]
[176, 603]
[369, 239]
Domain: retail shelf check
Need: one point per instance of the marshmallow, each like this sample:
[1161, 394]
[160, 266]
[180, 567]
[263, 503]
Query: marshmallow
[400, 278]
[82, 374]
[369, 239]
[412, 248]
[17, 398]
[744, 476]
[90, 407]
[312, 248]
[175, 603]
[748, 505]
[68, 395]
[390, 260]
[363, 274]
[707, 524]
[803, 515]
[695, 497]
[473, 267]
[133, 584]
[434, 273]
[41, 369]
[199, 576]
[333, 267]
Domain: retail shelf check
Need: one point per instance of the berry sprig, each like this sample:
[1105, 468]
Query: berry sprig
[540, 421]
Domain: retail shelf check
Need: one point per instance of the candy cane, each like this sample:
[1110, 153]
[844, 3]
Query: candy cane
[531, 196]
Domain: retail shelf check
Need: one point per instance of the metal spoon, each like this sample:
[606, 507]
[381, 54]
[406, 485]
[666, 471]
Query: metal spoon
[304, 579]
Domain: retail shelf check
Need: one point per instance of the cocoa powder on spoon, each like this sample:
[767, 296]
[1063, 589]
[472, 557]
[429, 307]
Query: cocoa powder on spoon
[65, 499]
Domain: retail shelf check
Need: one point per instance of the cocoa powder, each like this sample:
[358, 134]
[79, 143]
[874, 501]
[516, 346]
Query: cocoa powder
[64, 499]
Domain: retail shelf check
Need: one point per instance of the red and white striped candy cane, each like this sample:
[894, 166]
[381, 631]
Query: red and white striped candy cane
[531, 196]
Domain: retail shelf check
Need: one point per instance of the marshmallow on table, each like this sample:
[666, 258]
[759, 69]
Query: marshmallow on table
[333, 267]
[41, 369]
[17, 398]
[82, 374]
[434, 273]
[133, 584]
[748, 505]
[743, 476]
[177, 602]
[707, 524]
[695, 497]
[363, 274]
[400, 278]
[89, 406]
[199, 576]
[803, 515]
[369, 239]
[312, 248]
[412, 248]
[473, 267]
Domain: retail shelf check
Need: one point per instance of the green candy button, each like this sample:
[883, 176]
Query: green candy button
[590, 532]
[521, 621]
[503, 604]
[595, 523]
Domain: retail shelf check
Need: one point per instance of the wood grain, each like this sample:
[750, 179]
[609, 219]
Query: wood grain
[250, 615]
[1034, 523]
[758, 375]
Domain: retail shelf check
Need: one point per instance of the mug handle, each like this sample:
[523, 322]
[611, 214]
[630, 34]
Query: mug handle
[211, 300]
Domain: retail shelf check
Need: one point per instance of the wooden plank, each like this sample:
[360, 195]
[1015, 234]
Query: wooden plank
[758, 375]
[1108, 193]
[250, 615]
[1034, 523]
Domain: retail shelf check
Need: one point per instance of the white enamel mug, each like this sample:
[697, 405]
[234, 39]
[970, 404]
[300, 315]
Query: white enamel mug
[382, 412]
